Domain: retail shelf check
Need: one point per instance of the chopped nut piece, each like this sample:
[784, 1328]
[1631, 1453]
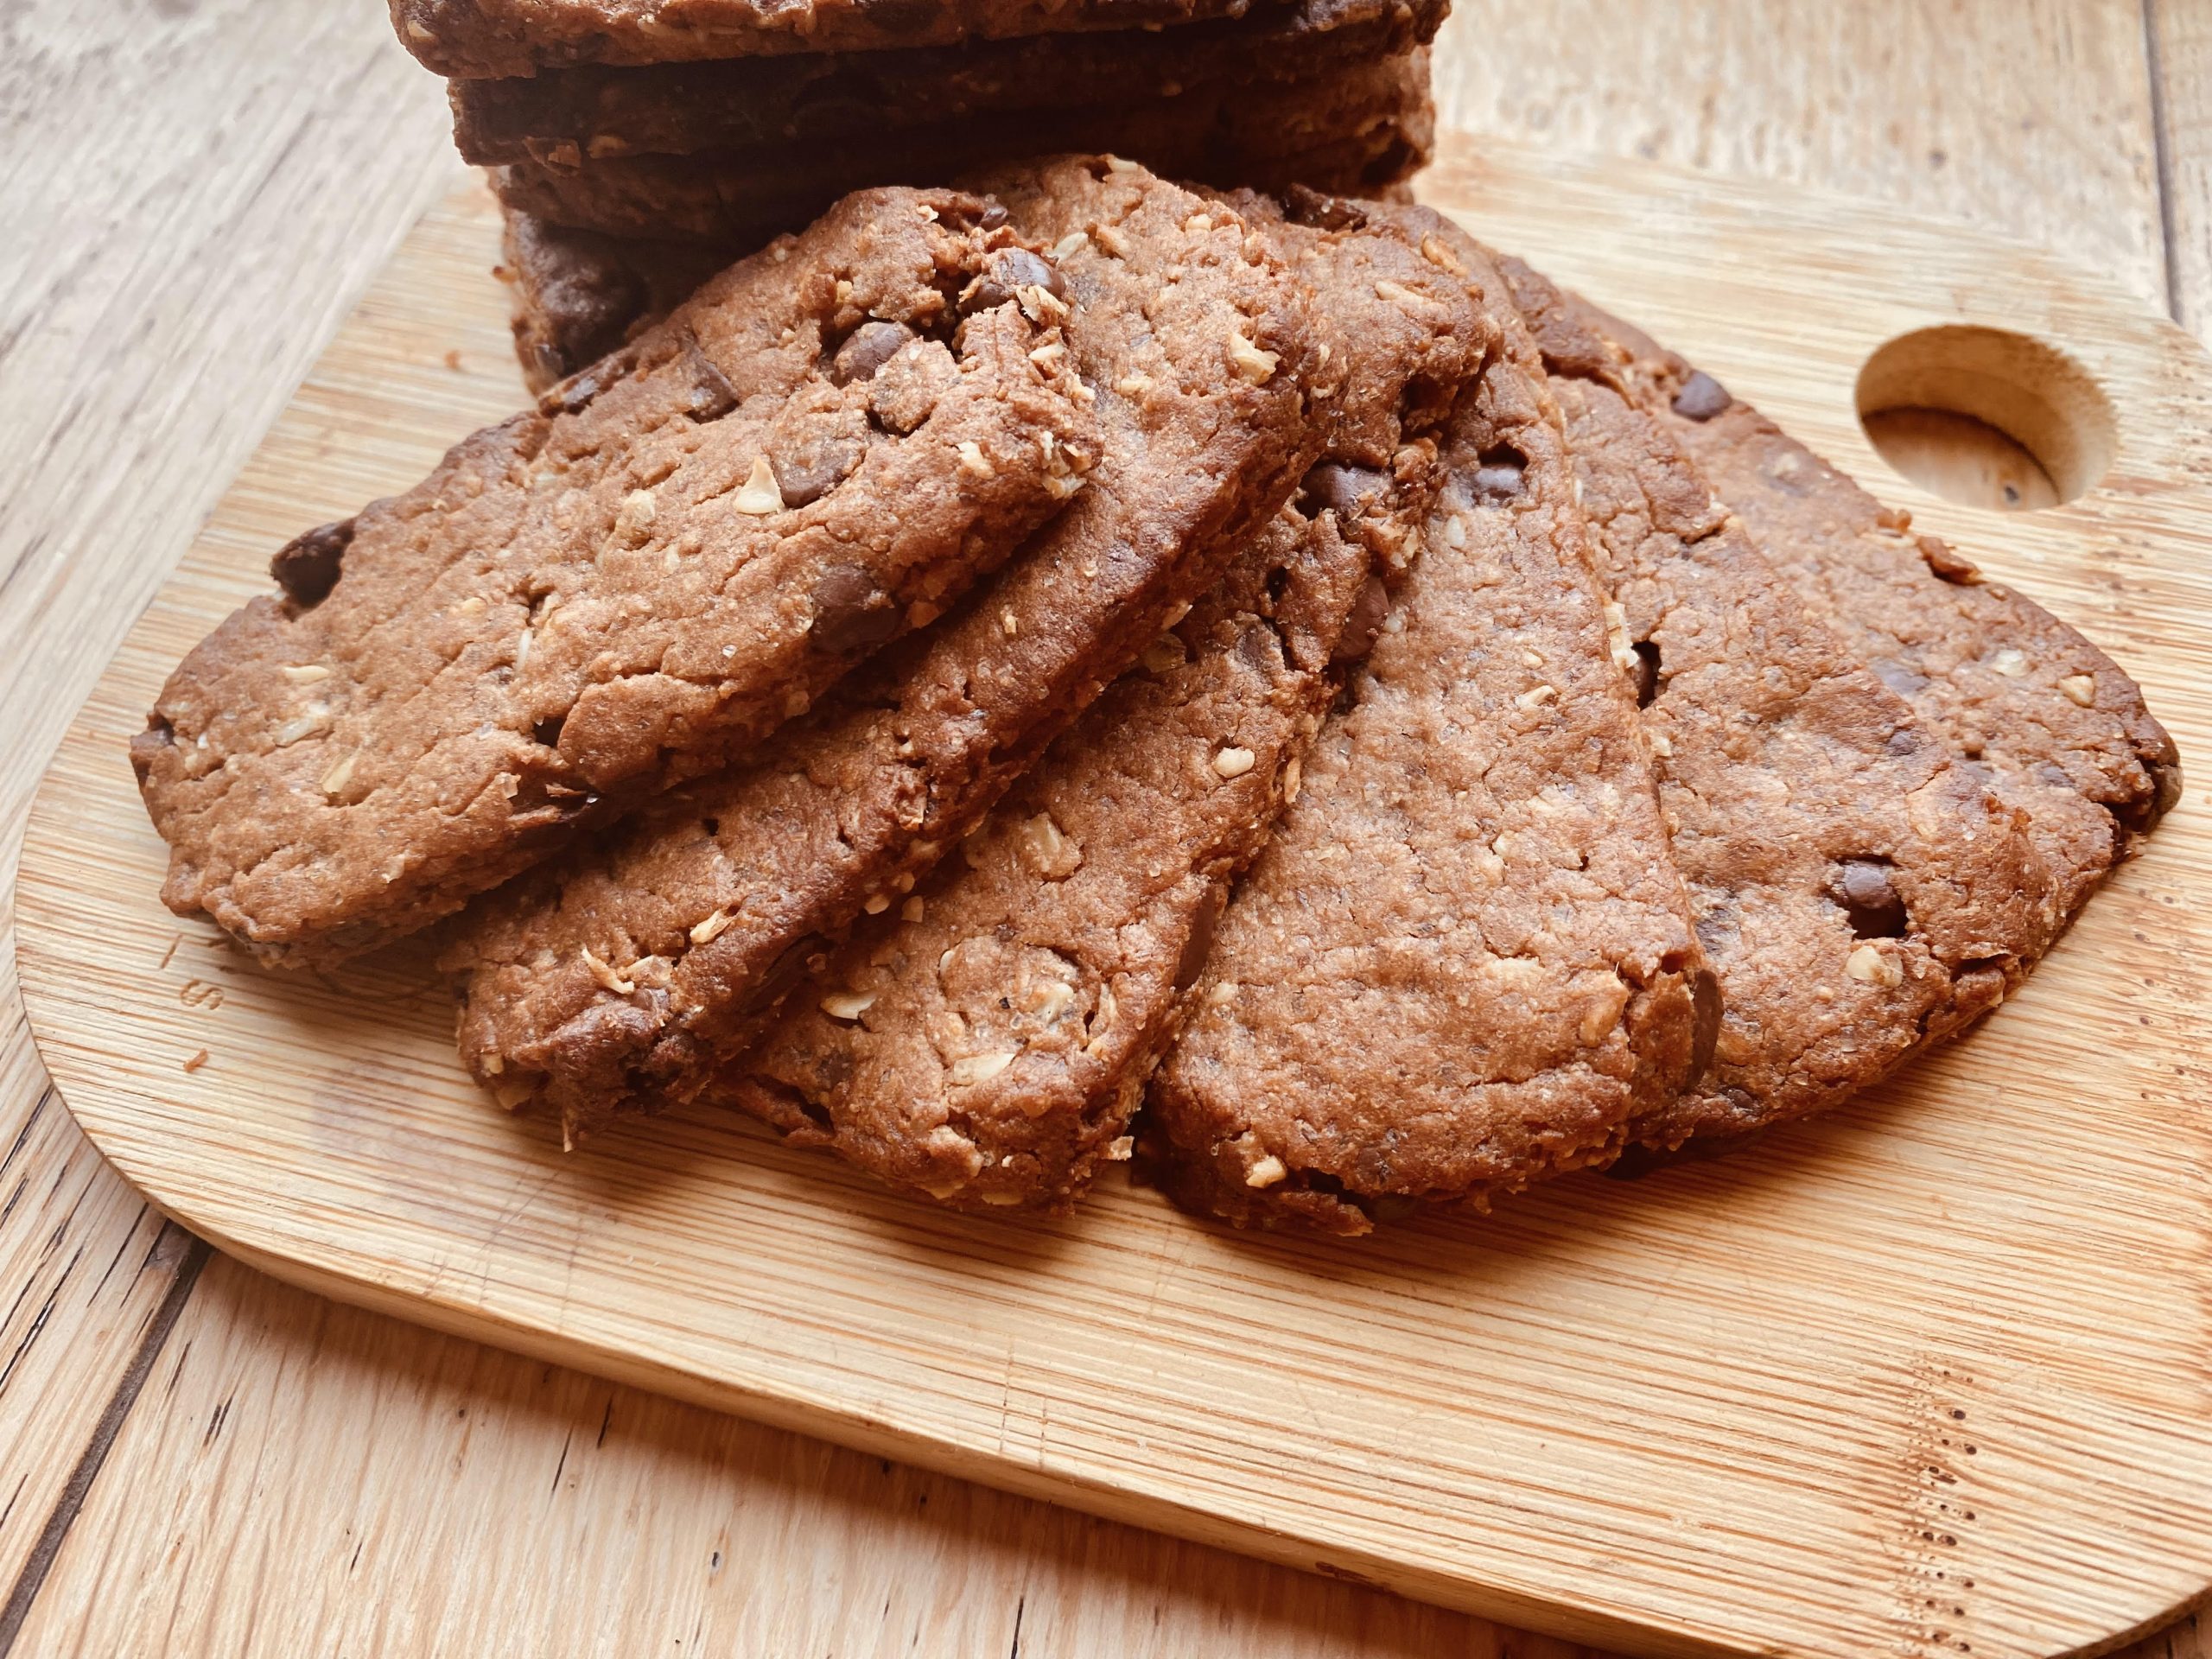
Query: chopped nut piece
[1048, 850]
[978, 1068]
[305, 673]
[339, 775]
[513, 1095]
[1134, 385]
[1234, 762]
[1250, 363]
[847, 1005]
[1009, 624]
[1122, 164]
[1266, 1173]
[1070, 244]
[1873, 965]
[877, 904]
[973, 459]
[1536, 695]
[1617, 639]
[2079, 689]
[710, 928]
[761, 494]
[1436, 253]
[639, 510]
[605, 975]
[1223, 994]
[315, 719]
[2012, 662]
[1395, 293]
[1120, 1148]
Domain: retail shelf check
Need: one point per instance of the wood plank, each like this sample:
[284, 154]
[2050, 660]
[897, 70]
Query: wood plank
[2180, 35]
[2048, 135]
[188, 220]
[1961, 1256]
[570, 1516]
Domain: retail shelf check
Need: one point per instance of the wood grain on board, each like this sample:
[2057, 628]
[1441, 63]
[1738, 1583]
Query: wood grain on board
[1960, 1373]
[222, 178]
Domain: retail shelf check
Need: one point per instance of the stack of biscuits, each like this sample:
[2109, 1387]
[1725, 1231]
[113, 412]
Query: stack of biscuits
[640, 147]
[1074, 666]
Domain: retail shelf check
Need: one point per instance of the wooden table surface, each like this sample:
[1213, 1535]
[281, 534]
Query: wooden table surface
[196, 1459]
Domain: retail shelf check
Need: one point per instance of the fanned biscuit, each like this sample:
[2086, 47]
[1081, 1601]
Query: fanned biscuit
[2053, 723]
[987, 1042]
[1359, 126]
[1199, 345]
[586, 604]
[1466, 960]
[1861, 896]
[480, 39]
[572, 116]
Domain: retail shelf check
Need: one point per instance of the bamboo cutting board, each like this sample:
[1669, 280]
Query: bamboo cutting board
[1930, 1376]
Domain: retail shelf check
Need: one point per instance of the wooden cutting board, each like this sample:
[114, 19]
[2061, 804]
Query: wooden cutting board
[1930, 1376]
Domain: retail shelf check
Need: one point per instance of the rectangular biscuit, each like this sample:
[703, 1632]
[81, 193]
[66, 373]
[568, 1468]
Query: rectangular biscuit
[481, 39]
[627, 976]
[674, 554]
[1861, 896]
[2054, 725]
[1466, 960]
[1359, 126]
[760, 106]
[987, 1041]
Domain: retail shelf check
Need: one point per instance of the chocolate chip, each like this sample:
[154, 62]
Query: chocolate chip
[1899, 679]
[1863, 889]
[306, 567]
[1903, 742]
[1006, 269]
[1363, 625]
[850, 613]
[1705, 1028]
[1324, 213]
[993, 216]
[1701, 398]
[577, 391]
[1200, 945]
[712, 395]
[868, 347]
[1647, 672]
[813, 467]
[1345, 490]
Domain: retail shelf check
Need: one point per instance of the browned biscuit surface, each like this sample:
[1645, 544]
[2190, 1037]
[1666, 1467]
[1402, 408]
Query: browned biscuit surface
[1360, 126]
[1198, 344]
[565, 117]
[1466, 960]
[2058, 729]
[576, 296]
[478, 39]
[587, 604]
[987, 1042]
[1859, 894]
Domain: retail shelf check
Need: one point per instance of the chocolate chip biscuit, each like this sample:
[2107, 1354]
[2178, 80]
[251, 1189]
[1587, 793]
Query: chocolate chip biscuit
[1197, 342]
[1860, 895]
[1465, 961]
[986, 1042]
[480, 39]
[568, 116]
[1359, 127]
[676, 553]
[2051, 722]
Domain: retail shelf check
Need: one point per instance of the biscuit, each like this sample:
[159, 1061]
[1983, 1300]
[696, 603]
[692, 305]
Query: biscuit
[1860, 895]
[986, 1040]
[2028, 704]
[678, 552]
[568, 116]
[480, 39]
[1199, 345]
[1359, 127]
[1466, 960]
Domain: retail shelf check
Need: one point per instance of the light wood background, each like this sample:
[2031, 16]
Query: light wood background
[193, 1459]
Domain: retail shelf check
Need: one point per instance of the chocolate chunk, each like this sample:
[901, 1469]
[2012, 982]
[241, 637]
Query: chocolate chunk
[1365, 624]
[306, 567]
[1008, 270]
[869, 346]
[1863, 887]
[1899, 679]
[712, 395]
[850, 613]
[816, 467]
[1346, 490]
[1701, 398]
